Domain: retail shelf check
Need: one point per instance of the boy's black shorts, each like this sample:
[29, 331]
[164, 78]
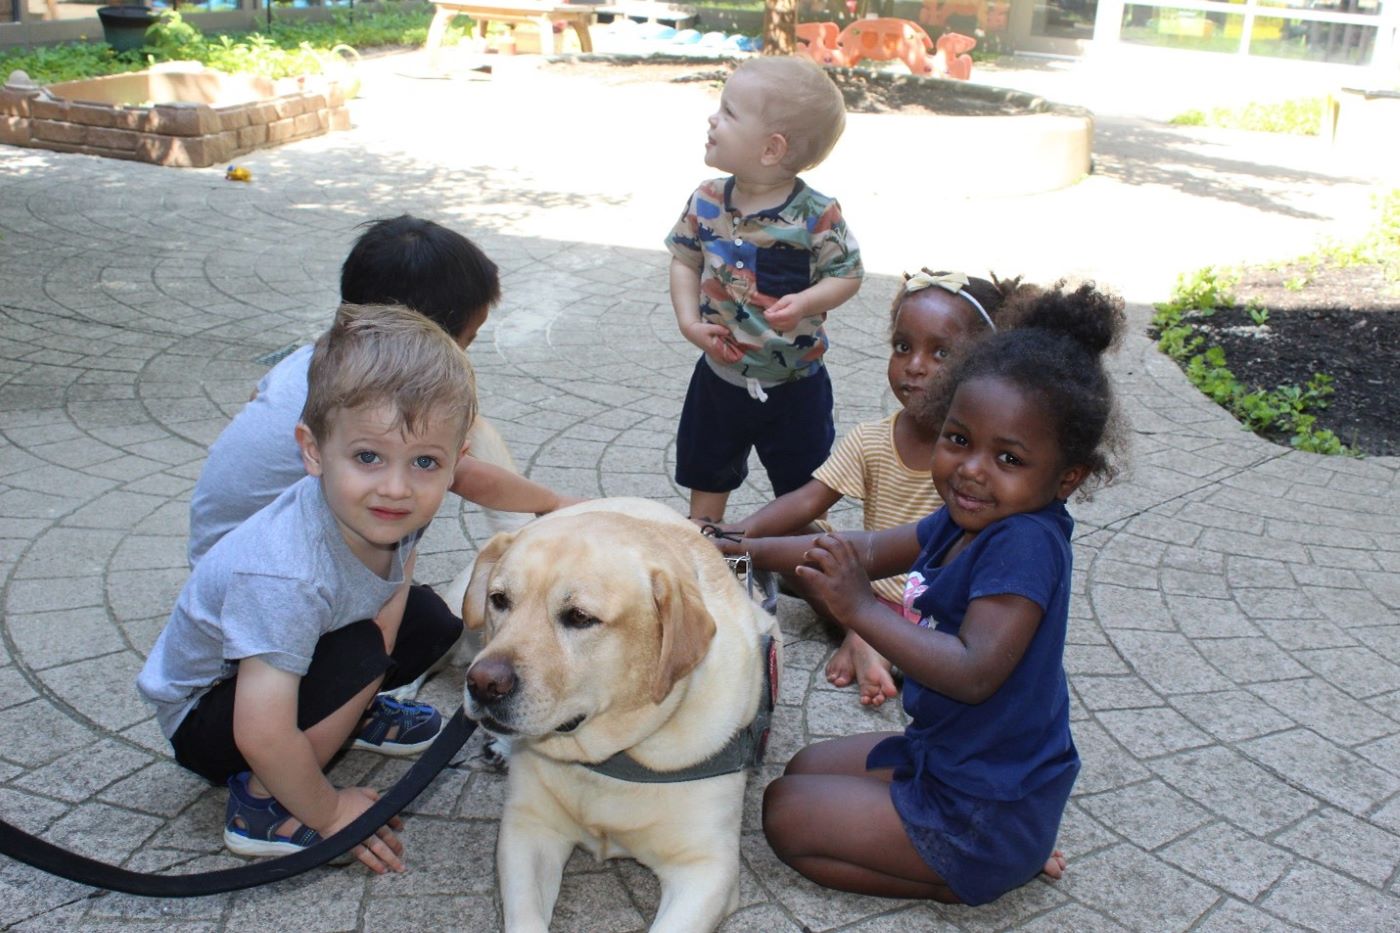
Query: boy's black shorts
[793, 432]
[345, 661]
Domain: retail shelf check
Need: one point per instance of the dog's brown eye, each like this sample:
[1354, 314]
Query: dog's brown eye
[499, 601]
[577, 618]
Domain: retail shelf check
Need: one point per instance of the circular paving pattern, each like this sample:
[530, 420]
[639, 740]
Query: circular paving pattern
[1235, 642]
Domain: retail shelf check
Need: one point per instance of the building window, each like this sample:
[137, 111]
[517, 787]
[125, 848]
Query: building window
[1339, 31]
[51, 10]
[1064, 19]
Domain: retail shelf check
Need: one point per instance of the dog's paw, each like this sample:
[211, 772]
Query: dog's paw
[495, 752]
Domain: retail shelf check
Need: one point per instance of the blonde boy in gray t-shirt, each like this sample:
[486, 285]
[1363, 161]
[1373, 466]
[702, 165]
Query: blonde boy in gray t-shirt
[291, 624]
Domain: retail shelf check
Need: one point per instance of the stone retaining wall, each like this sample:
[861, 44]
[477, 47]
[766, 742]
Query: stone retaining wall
[181, 134]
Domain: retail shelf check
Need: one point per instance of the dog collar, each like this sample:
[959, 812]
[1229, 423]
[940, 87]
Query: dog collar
[745, 750]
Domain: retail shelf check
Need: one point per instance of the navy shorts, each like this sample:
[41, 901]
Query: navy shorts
[344, 663]
[720, 424]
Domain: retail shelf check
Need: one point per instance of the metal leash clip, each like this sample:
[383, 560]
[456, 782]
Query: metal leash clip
[762, 585]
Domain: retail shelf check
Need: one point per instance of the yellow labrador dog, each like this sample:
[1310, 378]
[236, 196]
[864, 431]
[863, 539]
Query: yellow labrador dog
[634, 676]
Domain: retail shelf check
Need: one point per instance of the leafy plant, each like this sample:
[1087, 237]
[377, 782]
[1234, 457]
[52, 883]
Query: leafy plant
[291, 48]
[70, 62]
[1205, 290]
[171, 38]
[1285, 410]
[1257, 313]
[1301, 117]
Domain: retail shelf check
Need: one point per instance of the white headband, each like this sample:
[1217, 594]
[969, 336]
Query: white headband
[955, 282]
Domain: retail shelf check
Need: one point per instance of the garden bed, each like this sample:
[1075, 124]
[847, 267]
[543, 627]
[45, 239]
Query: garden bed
[1303, 353]
[188, 117]
[1343, 321]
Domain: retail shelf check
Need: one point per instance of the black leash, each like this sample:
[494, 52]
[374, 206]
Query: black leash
[711, 530]
[49, 858]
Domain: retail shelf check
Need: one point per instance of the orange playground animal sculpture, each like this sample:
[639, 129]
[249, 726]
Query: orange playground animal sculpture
[820, 43]
[886, 40]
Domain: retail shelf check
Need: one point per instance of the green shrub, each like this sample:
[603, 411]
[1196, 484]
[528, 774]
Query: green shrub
[1286, 410]
[290, 48]
[1301, 117]
[70, 62]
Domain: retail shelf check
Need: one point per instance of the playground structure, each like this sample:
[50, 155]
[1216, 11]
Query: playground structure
[887, 39]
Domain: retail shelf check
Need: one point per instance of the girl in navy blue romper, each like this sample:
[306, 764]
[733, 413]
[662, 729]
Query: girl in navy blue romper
[965, 804]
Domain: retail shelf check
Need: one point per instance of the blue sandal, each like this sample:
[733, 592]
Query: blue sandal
[250, 827]
[418, 724]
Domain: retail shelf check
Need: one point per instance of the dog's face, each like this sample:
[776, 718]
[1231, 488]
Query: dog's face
[590, 620]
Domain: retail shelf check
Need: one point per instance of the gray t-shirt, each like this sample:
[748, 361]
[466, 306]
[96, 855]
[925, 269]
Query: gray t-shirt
[254, 459]
[270, 588]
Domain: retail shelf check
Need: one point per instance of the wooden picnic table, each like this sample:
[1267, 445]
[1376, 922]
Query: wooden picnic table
[542, 16]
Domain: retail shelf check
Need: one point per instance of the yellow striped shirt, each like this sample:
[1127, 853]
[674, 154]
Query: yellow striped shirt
[865, 465]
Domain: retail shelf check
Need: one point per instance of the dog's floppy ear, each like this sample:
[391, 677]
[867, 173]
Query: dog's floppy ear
[474, 599]
[686, 629]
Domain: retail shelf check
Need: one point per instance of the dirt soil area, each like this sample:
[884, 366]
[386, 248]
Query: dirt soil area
[1342, 321]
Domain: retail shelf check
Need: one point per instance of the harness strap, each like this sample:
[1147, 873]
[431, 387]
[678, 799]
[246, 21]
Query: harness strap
[46, 857]
[744, 750]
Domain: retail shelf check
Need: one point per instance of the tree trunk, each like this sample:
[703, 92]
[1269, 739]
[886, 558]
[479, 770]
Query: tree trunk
[779, 27]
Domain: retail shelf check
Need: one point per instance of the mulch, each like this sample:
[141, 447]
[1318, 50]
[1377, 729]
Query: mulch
[1343, 321]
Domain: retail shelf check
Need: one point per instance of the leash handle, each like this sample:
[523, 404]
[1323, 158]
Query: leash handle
[49, 858]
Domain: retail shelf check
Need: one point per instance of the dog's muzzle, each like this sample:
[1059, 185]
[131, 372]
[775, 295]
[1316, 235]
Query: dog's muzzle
[491, 686]
[491, 682]
[490, 679]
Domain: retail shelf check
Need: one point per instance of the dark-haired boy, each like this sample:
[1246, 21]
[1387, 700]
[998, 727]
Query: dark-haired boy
[403, 260]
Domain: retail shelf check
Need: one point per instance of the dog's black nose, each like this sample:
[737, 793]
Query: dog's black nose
[489, 679]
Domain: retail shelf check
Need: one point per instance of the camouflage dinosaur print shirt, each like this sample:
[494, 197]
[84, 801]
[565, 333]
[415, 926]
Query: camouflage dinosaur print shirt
[748, 262]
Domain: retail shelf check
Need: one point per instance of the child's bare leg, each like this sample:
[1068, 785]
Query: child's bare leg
[839, 756]
[708, 506]
[858, 844]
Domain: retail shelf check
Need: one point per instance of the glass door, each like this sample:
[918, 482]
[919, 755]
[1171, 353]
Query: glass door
[1064, 19]
[1053, 27]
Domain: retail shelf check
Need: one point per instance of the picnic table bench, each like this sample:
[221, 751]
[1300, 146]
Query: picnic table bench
[541, 15]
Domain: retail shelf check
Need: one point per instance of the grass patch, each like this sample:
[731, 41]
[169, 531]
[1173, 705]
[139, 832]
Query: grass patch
[288, 49]
[1379, 247]
[1302, 117]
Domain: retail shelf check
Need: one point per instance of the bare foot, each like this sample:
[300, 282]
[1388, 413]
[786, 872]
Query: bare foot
[872, 673]
[841, 669]
[1055, 865]
[856, 661]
